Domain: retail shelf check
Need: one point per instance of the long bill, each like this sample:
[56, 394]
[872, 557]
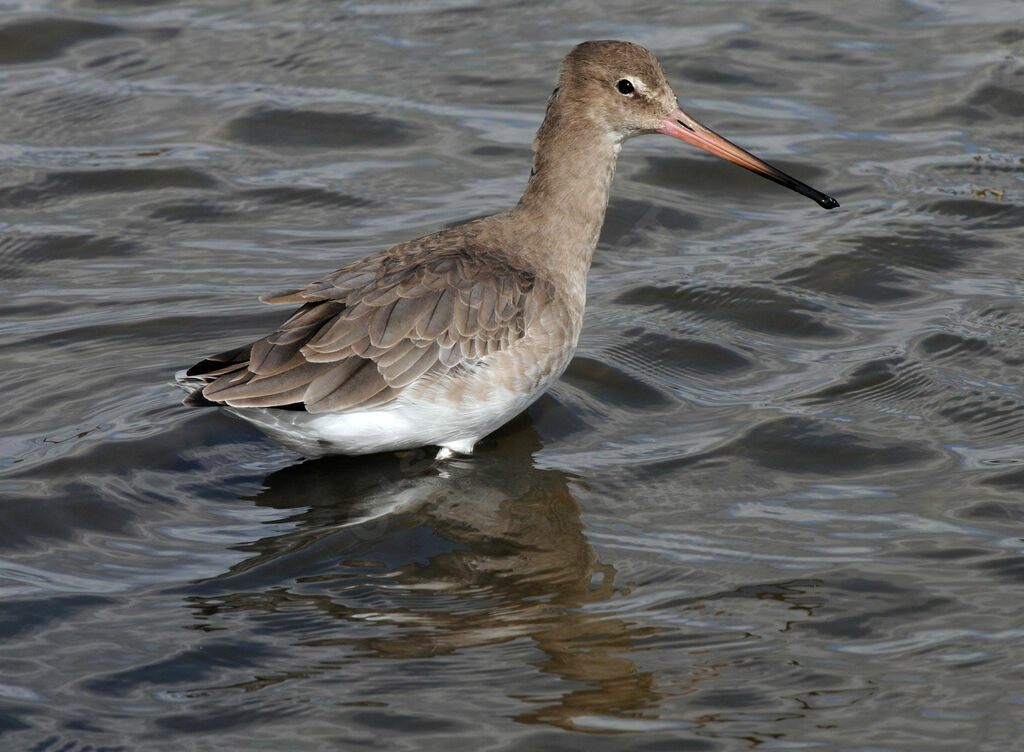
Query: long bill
[680, 125]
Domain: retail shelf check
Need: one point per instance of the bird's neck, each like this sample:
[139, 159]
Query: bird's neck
[559, 217]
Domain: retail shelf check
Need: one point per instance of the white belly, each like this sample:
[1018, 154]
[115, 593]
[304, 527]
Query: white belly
[453, 413]
[402, 424]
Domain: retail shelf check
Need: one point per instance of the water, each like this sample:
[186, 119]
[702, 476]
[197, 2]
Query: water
[774, 503]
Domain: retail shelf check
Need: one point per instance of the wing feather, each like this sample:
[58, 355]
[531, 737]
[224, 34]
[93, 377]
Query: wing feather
[331, 379]
[253, 386]
[396, 353]
[430, 327]
[364, 333]
[364, 384]
[414, 364]
[268, 358]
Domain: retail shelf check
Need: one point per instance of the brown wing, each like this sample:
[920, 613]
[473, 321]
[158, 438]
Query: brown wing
[370, 329]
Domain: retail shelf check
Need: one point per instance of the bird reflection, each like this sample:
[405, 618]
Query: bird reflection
[410, 559]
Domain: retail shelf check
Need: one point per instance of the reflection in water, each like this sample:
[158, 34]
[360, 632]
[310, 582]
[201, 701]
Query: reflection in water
[450, 556]
[404, 559]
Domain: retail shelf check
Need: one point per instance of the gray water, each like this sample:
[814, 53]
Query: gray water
[775, 502]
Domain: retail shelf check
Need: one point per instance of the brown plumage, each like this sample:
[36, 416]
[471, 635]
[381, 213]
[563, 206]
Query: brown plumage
[440, 340]
[367, 331]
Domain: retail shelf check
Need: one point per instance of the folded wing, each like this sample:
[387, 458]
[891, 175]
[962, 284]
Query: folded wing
[369, 330]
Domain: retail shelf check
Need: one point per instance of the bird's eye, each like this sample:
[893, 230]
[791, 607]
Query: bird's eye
[625, 86]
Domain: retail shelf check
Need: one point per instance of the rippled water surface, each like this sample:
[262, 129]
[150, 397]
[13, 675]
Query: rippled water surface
[775, 502]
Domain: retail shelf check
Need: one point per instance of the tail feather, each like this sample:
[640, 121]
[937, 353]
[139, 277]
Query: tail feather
[196, 399]
[221, 363]
[195, 379]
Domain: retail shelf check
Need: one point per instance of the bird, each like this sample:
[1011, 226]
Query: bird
[441, 340]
